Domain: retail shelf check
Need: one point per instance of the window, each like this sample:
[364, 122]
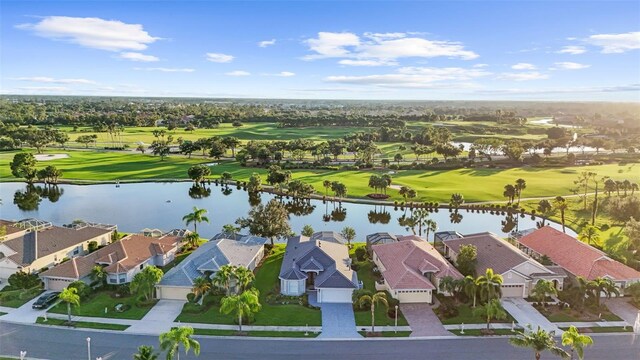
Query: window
[122, 278]
[76, 251]
[141, 266]
[113, 280]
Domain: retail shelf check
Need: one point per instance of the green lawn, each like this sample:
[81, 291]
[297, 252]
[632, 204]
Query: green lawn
[17, 298]
[477, 332]
[274, 315]
[387, 334]
[465, 316]
[568, 315]
[82, 324]
[94, 306]
[603, 329]
[280, 334]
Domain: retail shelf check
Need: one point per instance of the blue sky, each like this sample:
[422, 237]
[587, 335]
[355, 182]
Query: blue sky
[547, 50]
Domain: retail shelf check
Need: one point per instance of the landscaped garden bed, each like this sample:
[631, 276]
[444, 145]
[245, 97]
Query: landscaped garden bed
[557, 313]
[464, 315]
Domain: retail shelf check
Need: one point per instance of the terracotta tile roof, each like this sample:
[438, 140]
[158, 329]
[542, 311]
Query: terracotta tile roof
[406, 261]
[493, 252]
[576, 257]
[121, 256]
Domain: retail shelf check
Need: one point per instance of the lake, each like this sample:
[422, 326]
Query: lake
[133, 207]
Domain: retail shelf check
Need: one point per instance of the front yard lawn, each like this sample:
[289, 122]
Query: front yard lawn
[478, 332]
[603, 329]
[271, 314]
[465, 316]
[280, 334]
[95, 304]
[387, 334]
[82, 324]
[17, 298]
[555, 314]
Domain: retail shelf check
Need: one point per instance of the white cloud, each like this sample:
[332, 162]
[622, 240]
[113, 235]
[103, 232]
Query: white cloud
[266, 43]
[44, 88]
[280, 74]
[163, 69]
[45, 79]
[96, 33]
[573, 50]
[416, 77]
[238, 73]
[480, 65]
[351, 62]
[384, 48]
[567, 65]
[134, 56]
[523, 66]
[219, 58]
[524, 76]
[616, 43]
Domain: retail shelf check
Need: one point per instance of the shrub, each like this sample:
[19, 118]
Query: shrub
[357, 295]
[83, 290]
[447, 309]
[391, 310]
[22, 280]
[191, 297]
[361, 253]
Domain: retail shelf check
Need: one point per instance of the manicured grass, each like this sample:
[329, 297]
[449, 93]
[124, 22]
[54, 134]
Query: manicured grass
[603, 329]
[17, 298]
[554, 314]
[281, 334]
[82, 324]
[94, 306]
[465, 316]
[273, 315]
[387, 334]
[478, 332]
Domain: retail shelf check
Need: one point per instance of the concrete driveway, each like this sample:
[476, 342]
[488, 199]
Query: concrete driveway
[622, 308]
[525, 313]
[422, 320]
[338, 321]
[25, 314]
[159, 319]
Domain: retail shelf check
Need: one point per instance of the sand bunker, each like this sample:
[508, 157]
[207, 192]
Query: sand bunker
[47, 157]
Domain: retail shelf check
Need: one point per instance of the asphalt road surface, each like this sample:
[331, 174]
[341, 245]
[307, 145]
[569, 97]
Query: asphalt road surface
[65, 344]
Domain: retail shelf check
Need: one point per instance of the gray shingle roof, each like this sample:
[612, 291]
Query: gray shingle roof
[330, 236]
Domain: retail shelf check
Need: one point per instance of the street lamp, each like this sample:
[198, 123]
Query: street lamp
[396, 327]
[89, 348]
[23, 355]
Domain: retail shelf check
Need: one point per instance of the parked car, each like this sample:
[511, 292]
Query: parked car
[45, 300]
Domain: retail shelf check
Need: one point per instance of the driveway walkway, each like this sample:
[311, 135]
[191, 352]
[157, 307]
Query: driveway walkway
[422, 320]
[159, 318]
[525, 313]
[338, 321]
[622, 308]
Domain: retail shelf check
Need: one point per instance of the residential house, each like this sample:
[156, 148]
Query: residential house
[320, 264]
[243, 250]
[121, 260]
[386, 238]
[412, 270]
[519, 271]
[576, 257]
[31, 245]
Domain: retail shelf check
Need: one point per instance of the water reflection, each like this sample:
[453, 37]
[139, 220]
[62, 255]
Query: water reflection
[29, 199]
[199, 191]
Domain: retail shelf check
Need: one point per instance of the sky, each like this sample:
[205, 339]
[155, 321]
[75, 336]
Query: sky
[427, 50]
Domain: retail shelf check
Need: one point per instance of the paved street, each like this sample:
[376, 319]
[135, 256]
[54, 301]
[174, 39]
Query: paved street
[423, 320]
[64, 344]
[525, 313]
[338, 321]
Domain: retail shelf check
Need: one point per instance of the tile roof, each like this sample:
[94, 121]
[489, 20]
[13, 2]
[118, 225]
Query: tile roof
[212, 255]
[330, 254]
[576, 257]
[493, 252]
[405, 262]
[49, 241]
[121, 256]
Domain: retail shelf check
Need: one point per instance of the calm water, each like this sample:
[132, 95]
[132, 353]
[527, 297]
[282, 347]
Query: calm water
[162, 205]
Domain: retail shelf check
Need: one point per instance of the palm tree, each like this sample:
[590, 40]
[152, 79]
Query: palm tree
[349, 233]
[431, 225]
[521, 184]
[244, 277]
[577, 341]
[98, 275]
[489, 285]
[543, 288]
[539, 341]
[223, 276]
[197, 216]
[470, 288]
[192, 239]
[372, 300]
[245, 304]
[491, 310]
[171, 341]
[145, 352]
[201, 285]
[327, 185]
[510, 192]
[559, 203]
[601, 285]
[456, 200]
[590, 234]
[544, 210]
[70, 296]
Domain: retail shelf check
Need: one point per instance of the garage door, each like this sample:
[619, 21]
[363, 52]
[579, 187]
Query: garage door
[422, 296]
[172, 293]
[334, 295]
[57, 284]
[512, 290]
